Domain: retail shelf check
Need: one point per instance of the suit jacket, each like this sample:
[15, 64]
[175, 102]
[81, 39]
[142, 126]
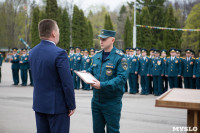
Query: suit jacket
[53, 86]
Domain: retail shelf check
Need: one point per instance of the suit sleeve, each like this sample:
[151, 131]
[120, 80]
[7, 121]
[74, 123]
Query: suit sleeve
[63, 68]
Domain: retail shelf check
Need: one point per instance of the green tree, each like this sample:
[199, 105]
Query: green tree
[192, 39]
[128, 35]
[52, 10]
[108, 23]
[90, 29]
[34, 27]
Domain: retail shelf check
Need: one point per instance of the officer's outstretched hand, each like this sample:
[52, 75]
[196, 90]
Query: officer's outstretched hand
[96, 85]
[194, 76]
[83, 71]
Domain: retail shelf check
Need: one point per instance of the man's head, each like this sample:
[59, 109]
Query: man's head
[131, 51]
[14, 50]
[156, 53]
[172, 52]
[127, 51]
[152, 51]
[23, 51]
[138, 51]
[178, 53]
[86, 52]
[48, 30]
[164, 53]
[144, 52]
[92, 51]
[78, 49]
[188, 52]
[107, 39]
[71, 50]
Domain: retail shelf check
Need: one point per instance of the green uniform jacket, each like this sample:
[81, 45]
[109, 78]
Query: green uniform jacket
[24, 65]
[15, 61]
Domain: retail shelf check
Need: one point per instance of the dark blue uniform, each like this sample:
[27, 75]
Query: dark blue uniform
[196, 72]
[77, 67]
[133, 64]
[15, 68]
[107, 101]
[85, 64]
[188, 64]
[157, 71]
[144, 65]
[173, 69]
[53, 94]
[24, 68]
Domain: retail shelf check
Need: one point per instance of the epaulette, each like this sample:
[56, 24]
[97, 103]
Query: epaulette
[99, 51]
[68, 56]
[119, 52]
[193, 58]
[183, 58]
[27, 54]
[197, 58]
[168, 57]
[90, 56]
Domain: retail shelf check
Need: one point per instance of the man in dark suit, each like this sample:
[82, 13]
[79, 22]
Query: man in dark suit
[53, 96]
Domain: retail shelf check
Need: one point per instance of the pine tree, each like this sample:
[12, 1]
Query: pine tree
[108, 23]
[192, 39]
[52, 10]
[90, 34]
[127, 33]
[34, 27]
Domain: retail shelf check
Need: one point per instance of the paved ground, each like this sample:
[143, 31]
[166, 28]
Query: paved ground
[139, 114]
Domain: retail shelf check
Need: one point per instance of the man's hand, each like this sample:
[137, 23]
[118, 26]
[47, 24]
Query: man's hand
[194, 76]
[84, 71]
[136, 73]
[166, 75]
[179, 75]
[20, 62]
[148, 75]
[162, 75]
[71, 112]
[96, 85]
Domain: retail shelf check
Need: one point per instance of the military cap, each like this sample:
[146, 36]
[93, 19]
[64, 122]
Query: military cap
[137, 48]
[156, 51]
[92, 49]
[164, 51]
[178, 51]
[143, 50]
[23, 49]
[152, 49]
[188, 51]
[86, 50]
[127, 49]
[14, 49]
[107, 33]
[172, 50]
[131, 49]
[78, 48]
[82, 50]
[71, 48]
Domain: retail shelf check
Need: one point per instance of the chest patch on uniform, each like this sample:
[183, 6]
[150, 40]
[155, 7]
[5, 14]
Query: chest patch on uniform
[158, 62]
[124, 63]
[176, 61]
[78, 58]
[109, 72]
[134, 60]
[25, 58]
[94, 65]
[88, 60]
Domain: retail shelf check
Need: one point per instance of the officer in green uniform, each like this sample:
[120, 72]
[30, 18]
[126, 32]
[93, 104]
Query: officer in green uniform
[188, 64]
[196, 71]
[1, 60]
[165, 79]
[24, 67]
[157, 72]
[77, 67]
[71, 58]
[173, 69]
[144, 72]
[110, 69]
[15, 66]
[178, 55]
[133, 71]
[85, 64]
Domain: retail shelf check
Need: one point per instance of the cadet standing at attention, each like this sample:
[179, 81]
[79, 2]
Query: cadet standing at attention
[144, 65]
[188, 64]
[173, 69]
[196, 71]
[178, 55]
[110, 69]
[157, 72]
[71, 58]
[165, 79]
[1, 60]
[77, 67]
[85, 64]
[15, 66]
[133, 71]
[24, 67]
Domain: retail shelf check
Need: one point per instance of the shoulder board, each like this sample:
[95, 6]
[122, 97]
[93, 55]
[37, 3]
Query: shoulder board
[197, 58]
[119, 52]
[148, 56]
[90, 56]
[193, 58]
[161, 57]
[27, 54]
[99, 51]
[183, 58]
[168, 57]
[68, 56]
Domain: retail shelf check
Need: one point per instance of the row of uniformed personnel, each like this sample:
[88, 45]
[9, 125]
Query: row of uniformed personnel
[161, 69]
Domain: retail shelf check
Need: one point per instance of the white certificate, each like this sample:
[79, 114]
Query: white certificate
[88, 78]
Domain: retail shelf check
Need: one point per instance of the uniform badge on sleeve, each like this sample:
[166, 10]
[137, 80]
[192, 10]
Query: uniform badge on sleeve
[109, 72]
[124, 63]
